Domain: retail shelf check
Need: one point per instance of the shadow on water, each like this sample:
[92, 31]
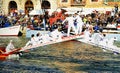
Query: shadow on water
[100, 67]
[91, 66]
[17, 67]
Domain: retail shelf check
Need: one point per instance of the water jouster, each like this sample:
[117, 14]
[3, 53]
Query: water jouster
[100, 40]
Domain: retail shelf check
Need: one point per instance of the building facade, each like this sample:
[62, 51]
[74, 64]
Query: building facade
[24, 6]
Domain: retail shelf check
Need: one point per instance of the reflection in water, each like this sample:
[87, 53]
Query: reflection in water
[65, 57]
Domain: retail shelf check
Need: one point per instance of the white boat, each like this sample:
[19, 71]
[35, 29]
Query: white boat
[52, 42]
[111, 26]
[29, 32]
[115, 27]
[111, 31]
[10, 31]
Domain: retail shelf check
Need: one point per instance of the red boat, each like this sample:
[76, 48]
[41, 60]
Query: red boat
[118, 27]
[4, 56]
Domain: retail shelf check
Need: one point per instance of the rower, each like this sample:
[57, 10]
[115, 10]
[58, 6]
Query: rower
[111, 41]
[103, 41]
[38, 38]
[32, 41]
[87, 35]
[10, 47]
[55, 35]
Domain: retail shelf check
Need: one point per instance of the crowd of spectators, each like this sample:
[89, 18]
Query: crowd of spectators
[96, 19]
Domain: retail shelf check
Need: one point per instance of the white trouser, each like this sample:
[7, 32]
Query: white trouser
[69, 27]
[79, 28]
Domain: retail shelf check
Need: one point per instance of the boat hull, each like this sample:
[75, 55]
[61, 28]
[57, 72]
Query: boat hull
[29, 32]
[10, 55]
[118, 27]
[2, 56]
[10, 31]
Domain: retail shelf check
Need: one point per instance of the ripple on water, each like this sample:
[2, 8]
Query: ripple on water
[63, 57]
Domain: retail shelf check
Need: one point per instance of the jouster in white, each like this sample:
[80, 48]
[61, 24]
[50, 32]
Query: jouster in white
[87, 35]
[79, 23]
[70, 21]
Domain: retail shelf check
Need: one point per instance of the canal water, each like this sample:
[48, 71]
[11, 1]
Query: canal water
[66, 57]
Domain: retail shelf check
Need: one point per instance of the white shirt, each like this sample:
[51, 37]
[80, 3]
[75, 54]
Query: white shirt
[79, 19]
[70, 20]
[87, 35]
[9, 47]
[56, 34]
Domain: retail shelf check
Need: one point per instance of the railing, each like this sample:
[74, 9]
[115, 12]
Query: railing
[111, 0]
[78, 3]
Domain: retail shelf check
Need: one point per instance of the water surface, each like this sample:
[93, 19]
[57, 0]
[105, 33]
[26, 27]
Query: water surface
[66, 57]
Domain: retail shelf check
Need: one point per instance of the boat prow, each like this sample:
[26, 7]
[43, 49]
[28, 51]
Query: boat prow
[29, 32]
[9, 55]
[10, 31]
